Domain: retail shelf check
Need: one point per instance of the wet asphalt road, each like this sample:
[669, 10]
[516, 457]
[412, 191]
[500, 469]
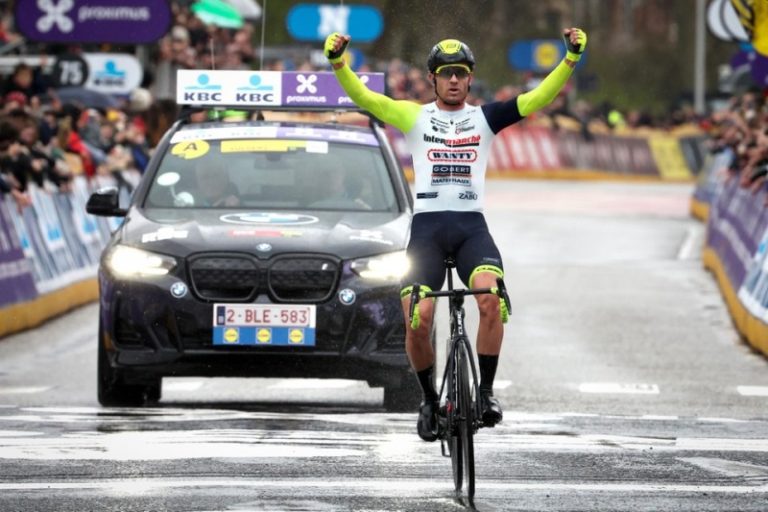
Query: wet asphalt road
[624, 384]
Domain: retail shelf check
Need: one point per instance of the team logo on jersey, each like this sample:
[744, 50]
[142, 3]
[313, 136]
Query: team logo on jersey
[464, 126]
[472, 140]
[452, 175]
[452, 155]
[439, 125]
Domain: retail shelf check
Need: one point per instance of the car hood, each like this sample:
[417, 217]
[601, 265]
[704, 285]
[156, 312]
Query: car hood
[344, 234]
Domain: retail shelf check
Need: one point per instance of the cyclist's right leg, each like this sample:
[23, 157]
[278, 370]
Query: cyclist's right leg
[418, 344]
[428, 270]
[421, 355]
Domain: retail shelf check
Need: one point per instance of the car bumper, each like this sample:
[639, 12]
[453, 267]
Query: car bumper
[148, 332]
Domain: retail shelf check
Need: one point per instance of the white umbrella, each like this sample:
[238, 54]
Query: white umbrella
[248, 9]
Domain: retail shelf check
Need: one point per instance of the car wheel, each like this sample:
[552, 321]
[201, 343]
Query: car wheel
[112, 392]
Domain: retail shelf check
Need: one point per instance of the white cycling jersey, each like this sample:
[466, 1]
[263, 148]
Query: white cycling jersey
[450, 154]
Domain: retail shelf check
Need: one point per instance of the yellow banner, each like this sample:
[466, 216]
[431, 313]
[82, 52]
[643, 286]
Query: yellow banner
[669, 157]
[261, 145]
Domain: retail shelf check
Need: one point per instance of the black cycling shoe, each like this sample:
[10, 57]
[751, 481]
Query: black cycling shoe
[427, 424]
[491, 409]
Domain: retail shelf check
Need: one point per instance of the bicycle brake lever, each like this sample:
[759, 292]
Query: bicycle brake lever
[415, 296]
[503, 293]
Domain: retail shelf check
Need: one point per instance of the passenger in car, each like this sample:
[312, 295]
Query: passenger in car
[340, 187]
[214, 188]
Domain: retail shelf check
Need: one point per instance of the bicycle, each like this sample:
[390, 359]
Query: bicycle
[460, 416]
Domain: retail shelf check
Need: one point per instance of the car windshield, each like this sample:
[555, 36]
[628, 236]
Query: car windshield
[273, 173]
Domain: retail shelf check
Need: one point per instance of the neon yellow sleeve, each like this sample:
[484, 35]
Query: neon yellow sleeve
[399, 113]
[544, 93]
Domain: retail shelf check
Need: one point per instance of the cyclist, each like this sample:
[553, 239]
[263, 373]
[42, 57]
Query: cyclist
[449, 141]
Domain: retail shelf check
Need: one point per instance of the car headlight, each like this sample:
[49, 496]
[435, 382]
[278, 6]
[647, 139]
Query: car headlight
[390, 266]
[127, 261]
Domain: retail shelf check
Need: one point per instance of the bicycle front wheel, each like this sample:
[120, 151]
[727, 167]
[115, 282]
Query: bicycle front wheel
[462, 417]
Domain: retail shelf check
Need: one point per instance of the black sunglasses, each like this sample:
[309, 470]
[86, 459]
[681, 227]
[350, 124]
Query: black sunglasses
[449, 71]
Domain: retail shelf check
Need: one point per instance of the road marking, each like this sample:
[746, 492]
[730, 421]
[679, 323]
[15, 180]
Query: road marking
[296, 444]
[616, 387]
[184, 445]
[729, 468]
[752, 390]
[374, 486]
[314, 384]
[502, 384]
[688, 250]
[653, 417]
[23, 390]
[704, 419]
[182, 385]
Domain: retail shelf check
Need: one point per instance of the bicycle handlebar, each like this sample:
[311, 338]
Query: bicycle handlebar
[416, 295]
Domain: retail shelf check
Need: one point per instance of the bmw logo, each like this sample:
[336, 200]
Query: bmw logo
[264, 247]
[178, 289]
[347, 296]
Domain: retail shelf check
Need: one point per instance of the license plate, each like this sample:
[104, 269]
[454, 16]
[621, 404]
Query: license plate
[286, 325]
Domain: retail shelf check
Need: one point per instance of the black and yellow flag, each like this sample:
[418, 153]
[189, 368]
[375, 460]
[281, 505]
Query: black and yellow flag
[753, 15]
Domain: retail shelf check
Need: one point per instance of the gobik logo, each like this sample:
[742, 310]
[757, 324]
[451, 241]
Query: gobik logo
[55, 14]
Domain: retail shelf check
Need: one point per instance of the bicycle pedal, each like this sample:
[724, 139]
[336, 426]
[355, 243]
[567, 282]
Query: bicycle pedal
[446, 453]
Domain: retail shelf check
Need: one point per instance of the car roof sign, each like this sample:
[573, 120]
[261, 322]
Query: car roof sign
[328, 134]
[299, 90]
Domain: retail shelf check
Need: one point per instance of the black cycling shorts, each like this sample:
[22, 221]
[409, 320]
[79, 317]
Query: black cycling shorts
[436, 235]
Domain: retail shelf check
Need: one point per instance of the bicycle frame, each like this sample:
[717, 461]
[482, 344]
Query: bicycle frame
[459, 337]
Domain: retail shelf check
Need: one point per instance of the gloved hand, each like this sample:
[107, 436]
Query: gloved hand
[575, 42]
[335, 44]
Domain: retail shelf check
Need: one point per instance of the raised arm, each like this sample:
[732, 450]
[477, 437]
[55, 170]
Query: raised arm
[400, 114]
[543, 94]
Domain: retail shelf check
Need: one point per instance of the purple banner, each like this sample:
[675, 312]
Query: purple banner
[736, 224]
[333, 135]
[322, 89]
[93, 21]
[16, 283]
[607, 153]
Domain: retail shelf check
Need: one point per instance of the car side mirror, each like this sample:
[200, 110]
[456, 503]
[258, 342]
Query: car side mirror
[106, 203]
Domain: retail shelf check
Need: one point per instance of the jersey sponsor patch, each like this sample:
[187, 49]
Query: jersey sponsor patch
[452, 175]
[468, 195]
[439, 125]
[464, 126]
[473, 140]
[426, 195]
[452, 155]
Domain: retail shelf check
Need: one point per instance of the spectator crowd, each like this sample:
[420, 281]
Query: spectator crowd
[742, 127]
[46, 141]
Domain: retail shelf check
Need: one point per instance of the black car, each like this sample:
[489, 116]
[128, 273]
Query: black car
[257, 249]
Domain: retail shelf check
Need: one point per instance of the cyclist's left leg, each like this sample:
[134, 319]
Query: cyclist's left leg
[479, 265]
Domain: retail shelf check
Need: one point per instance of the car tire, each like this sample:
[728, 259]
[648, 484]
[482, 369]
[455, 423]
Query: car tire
[112, 392]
